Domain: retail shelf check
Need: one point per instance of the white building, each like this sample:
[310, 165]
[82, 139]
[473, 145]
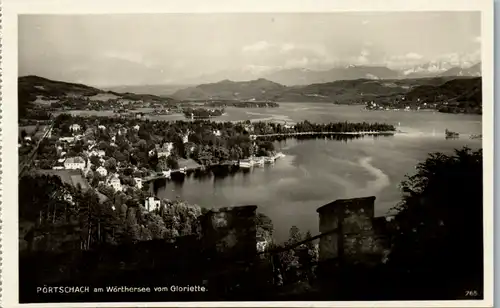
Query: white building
[75, 127]
[102, 171]
[261, 245]
[27, 138]
[185, 138]
[137, 127]
[116, 183]
[217, 133]
[68, 198]
[249, 128]
[290, 126]
[166, 150]
[74, 163]
[102, 127]
[67, 139]
[152, 203]
[99, 153]
[138, 182]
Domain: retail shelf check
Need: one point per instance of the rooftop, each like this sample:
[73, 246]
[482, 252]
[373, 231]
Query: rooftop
[74, 160]
[338, 202]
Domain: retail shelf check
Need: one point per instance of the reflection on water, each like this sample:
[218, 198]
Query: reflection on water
[312, 173]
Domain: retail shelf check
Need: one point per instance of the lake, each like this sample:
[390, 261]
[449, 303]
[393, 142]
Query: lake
[316, 172]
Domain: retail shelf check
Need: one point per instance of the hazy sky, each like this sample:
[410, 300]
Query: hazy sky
[167, 48]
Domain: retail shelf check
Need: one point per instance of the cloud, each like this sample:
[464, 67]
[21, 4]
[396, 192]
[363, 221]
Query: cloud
[286, 55]
[287, 47]
[298, 63]
[408, 59]
[256, 47]
[462, 59]
[413, 56]
[361, 59]
[365, 22]
[127, 56]
[135, 58]
[258, 69]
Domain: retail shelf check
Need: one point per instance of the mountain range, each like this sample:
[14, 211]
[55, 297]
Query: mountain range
[341, 91]
[302, 76]
[354, 91]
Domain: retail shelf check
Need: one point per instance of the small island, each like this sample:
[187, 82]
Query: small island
[243, 104]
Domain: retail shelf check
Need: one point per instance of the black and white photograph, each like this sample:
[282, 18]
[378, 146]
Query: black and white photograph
[251, 157]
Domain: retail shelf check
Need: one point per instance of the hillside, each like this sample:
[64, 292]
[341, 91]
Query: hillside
[458, 95]
[342, 91]
[29, 87]
[32, 87]
[451, 89]
[260, 89]
[35, 91]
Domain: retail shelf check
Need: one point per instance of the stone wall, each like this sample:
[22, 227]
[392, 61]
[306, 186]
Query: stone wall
[230, 231]
[354, 239]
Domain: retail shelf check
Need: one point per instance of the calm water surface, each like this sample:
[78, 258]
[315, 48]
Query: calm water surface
[316, 172]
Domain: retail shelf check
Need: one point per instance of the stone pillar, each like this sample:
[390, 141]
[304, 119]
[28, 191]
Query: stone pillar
[230, 231]
[353, 239]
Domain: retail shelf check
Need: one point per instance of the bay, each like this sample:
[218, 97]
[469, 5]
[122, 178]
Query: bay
[316, 172]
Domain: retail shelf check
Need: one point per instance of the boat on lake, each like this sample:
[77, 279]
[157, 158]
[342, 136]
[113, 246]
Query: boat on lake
[246, 163]
[259, 161]
[450, 134]
[166, 173]
[279, 155]
[269, 160]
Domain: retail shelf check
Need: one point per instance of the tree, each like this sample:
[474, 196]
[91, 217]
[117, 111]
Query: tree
[110, 164]
[145, 187]
[162, 164]
[172, 163]
[95, 160]
[440, 222]
[120, 156]
[294, 235]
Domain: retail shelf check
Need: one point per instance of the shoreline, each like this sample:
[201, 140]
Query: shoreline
[381, 133]
[205, 168]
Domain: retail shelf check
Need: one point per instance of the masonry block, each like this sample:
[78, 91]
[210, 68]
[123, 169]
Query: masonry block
[231, 231]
